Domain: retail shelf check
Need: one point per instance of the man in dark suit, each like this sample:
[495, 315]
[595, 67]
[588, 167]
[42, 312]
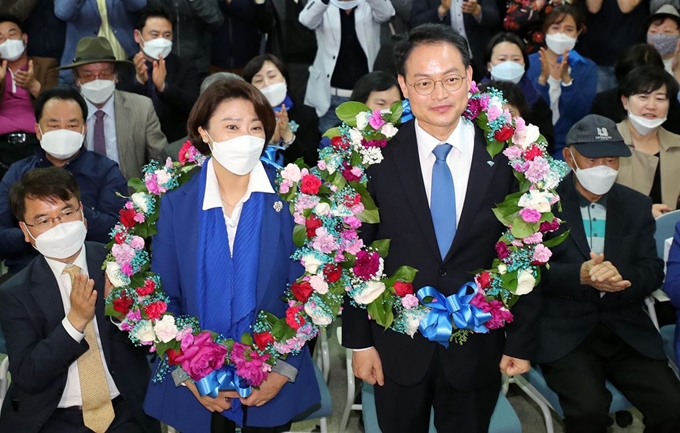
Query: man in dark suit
[461, 382]
[171, 82]
[72, 369]
[593, 326]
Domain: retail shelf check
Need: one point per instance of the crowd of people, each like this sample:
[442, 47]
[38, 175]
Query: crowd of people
[92, 90]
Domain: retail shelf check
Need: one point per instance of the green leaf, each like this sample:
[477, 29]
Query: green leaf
[369, 216]
[381, 309]
[281, 331]
[494, 147]
[405, 273]
[137, 184]
[347, 112]
[299, 235]
[557, 240]
[509, 281]
[397, 110]
[521, 229]
[333, 132]
[109, 311]
[247, 339]
[339, 181]
[382, 246]
[500, 215]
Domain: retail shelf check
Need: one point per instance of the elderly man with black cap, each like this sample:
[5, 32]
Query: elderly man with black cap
[120, 125]
[593, 325]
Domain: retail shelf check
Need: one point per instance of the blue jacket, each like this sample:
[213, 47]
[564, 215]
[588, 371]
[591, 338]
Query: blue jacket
[83, 19]
[672, 284]
[174, 260]
[99, 180]
[575, 100]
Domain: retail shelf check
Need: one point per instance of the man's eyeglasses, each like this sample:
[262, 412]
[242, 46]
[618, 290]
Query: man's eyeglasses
[86, 77]
[426, 86]
[66, 215]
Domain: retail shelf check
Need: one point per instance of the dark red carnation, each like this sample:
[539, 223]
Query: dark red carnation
[293, 318]
[550, 226]
[484, 279]
[173, 355]
[505, 133]
[502, 250]
[366, 265]
[332, 273]
[262, 339]
[147, 289]
[122, 304]
[301, 290]
[127, 217]
[155, 309]
[403, 289]
[532, 153]
[310, 184]
[311, 224]
[347, 173]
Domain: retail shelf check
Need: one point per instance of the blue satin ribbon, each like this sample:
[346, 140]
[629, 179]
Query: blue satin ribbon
[406, 113]
[446, 311]
[274, 154]
[224, 379]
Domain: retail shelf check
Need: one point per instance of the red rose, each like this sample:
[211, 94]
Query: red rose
[127, 217]
[332, 273]
[505, 133]
[301, 291]
[149, 287]
[122, 304]
[339, 143]
[173, 355]
[483, 280]
[262, 339]
[310, 184]
[532, 153]
[312, 223]
[403, 289]
[155, 309]
[119, 238]
[293, 318]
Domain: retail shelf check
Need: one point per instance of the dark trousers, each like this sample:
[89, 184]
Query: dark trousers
[579, 380]
[71, 420]
[298, 74]
[407, 409]
[220, 424]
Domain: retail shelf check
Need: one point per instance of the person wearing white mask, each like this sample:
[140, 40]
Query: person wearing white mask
[654, 168]
[22, 78]
[121, 125]
[567, 81]
[594, 327]
[60, 113]
[236, 228]
[170, 81]
[297, 126]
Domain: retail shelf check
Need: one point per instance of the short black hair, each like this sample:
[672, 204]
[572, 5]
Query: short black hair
[647, 79]
[511, 38]
[155, 11]
[428, 34]
[512, 93]
[255, 64]
[634, 57]
[13, 19]
[560, 13]
[48, 184]
[62, 93]
[376, 81]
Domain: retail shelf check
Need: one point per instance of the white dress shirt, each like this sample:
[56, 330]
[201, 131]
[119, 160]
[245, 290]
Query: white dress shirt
[109, 127]
[459, 159]
[258, 182]
[71, 395]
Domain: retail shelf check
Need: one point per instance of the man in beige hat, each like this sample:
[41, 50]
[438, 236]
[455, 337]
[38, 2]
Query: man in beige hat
[121, 125]
[663, 33]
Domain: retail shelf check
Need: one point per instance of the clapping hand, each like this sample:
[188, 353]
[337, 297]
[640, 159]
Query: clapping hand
[159, 73]
[142, 74]
[444, 7]
[26, 79]
[283, 126]
[472, 7]
[602, 275]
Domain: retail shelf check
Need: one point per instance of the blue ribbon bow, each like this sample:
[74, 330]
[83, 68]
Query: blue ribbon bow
[446, 311]
[274, 154]
[406, 113]
[224, 379]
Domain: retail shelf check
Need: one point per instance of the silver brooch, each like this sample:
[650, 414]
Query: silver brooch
[491, 163]
[278, 206]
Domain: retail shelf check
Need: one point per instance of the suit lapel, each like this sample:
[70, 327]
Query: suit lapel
[571, 212]
[122, 136]
[614, 227]
[269, 244]
[46, 293]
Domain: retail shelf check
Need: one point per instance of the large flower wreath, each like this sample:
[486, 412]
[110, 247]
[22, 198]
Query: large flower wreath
[329, 203]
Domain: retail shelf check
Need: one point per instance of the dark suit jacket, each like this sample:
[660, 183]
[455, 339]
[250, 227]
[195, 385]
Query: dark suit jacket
[307, 136]
[270, 18]
[40, 350]
[396, 184]
[571, 310]
[175, 103]
[45, 71]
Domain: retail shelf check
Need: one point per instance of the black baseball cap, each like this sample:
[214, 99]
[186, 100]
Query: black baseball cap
[596, 136]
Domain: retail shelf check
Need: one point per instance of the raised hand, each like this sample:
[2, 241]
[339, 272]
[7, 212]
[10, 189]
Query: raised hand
[26, 79]
[83, 300]
[444, 7]
[159, 73]
[564, 68]
[472, 7]
[282, 123]
[142, 71]
[545, 66]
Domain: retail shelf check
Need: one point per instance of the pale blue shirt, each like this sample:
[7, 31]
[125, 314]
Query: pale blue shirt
[109, 127]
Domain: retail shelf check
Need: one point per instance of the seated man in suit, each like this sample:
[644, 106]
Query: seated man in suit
[22, 78]
[60, 113]
[593, 326]
[170, 81]
[123, 126]
[72, 369]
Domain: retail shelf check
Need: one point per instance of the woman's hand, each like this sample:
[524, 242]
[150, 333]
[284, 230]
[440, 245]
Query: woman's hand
[564, 67]
[218, 404]
[545, 67]
[268, 390]
[283, 126]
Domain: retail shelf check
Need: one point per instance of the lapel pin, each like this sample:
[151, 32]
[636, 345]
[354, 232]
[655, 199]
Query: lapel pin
[278, 206]
[491, 163]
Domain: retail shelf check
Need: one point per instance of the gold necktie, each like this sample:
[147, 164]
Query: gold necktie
[97, 408]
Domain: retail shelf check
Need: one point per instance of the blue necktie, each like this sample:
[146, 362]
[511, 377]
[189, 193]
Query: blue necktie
[443, 200]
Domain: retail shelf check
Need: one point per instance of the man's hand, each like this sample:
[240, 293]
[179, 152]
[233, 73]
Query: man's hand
[83, 300]
[472, 7]
[268, 390]
[367, 366]
[444, 7]
[514, 366]
[218, 404]
[659, 209]
[142, 71]
[602, 275]
[159, 73]
[3, 70]
[26, 79]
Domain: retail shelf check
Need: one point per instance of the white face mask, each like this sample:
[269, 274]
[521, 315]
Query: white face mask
[507, 71]
[61, 241]
[61, 143]
[345, 5]
[643, 125]
[12, 49]
[98, 91]
[275, 93]
[238, 155]
[558, 43]
[598, 180]
[157, 46]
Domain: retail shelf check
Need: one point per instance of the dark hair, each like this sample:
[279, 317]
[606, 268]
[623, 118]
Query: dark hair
[4, 18]
[254, 66]
[47, 184]
[660, 19]
[511, 38]
[512, 93]
[222, 91]
[429, 34]
[155, 11]
[62, 93]
[377, 81]
[559, 14]
[647, 79]
[634, 57]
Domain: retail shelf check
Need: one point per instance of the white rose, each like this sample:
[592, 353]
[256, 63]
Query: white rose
[525, 282]
[362, 120]
[318, 317]
[165, 329]
[370, 293]
[140, 199]
[311, 263]
[117, 278]
[144, 332]
[388, 130]
[537, 200]
[162, 176]
[356, 136]
[322, 209]
[502, 268]
[532, 134]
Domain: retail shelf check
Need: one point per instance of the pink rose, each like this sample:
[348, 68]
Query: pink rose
[202, 356]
